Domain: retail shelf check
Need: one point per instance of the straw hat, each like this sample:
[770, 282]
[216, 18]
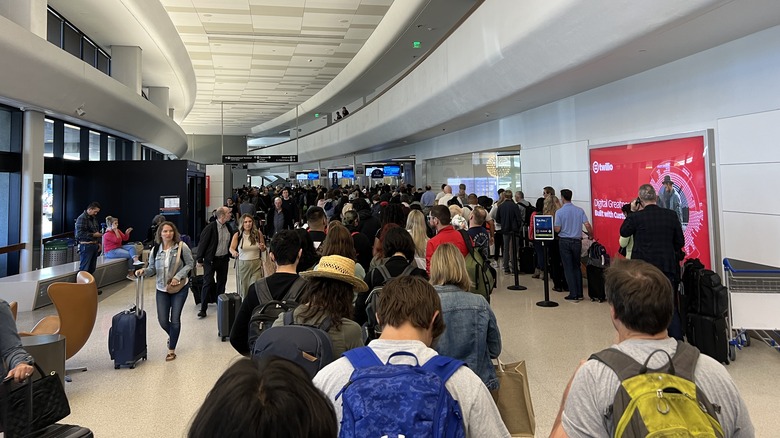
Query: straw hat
[338, 268]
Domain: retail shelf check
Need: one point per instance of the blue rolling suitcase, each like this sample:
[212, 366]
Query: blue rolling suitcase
[127, 335]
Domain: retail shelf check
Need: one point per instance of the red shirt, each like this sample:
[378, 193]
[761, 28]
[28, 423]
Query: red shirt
[111, 241]
[445, 235]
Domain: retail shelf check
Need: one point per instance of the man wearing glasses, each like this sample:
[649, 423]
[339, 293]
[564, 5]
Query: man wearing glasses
[439, 219]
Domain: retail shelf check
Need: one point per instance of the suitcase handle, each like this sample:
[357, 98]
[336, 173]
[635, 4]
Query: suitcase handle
[139, 296]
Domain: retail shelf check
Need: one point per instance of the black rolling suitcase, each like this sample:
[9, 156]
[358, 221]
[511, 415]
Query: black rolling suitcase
[596, 283]
[127, 335]
[527, 265]
[227, 309]
[710, 335]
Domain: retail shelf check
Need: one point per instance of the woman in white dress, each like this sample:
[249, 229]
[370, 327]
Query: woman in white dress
[247, 246]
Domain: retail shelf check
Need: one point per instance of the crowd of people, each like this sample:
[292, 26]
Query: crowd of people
[329, 250]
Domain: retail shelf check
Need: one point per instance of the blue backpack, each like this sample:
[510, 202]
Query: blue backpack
[399, 400]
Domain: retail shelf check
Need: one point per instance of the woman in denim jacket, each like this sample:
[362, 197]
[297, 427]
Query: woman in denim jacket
[163, 260]
[472, 332]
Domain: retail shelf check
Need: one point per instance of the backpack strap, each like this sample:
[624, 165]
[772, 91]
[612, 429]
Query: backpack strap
[467, 241]
[443, 366]
[622, 364]
[382, 269]
[626, 367]
[684, 360]
[325, 324]
[289, 319]
[295, 291]
[262, 291]
[409, 269]
[362, 357]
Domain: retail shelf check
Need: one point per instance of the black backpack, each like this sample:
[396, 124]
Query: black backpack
[597, 255]
[265, 313]
[371, 329]
[702, 290]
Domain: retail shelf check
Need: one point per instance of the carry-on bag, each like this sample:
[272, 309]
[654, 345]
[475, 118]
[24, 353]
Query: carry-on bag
[127, 335]
[527, 265]
[227, 309]
[710, 335]
[196, 287]
[596, 283]
[702, 290]
[31, 408]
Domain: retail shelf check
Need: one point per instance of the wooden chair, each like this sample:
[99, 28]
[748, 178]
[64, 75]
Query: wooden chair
[14, 308]
[76, 305]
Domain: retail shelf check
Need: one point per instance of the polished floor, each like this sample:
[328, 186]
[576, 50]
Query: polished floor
[159, 399]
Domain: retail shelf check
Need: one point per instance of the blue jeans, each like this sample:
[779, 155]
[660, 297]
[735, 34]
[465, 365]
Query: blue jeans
[88, 255]
[539, 249]
[571, 250]
[169, 307]
[123, 252]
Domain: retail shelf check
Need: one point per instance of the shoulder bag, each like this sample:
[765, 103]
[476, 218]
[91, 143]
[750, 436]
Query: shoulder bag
[171, 289]
[34, 405]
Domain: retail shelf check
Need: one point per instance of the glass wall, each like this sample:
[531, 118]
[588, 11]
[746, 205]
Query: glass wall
[483, 173]
[10, 186]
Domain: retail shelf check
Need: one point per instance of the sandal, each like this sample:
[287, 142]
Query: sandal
[170, 356]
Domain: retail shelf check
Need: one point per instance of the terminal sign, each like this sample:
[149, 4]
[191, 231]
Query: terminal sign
[237, 159]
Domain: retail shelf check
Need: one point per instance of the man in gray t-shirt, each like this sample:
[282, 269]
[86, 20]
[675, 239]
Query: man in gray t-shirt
[640, 299]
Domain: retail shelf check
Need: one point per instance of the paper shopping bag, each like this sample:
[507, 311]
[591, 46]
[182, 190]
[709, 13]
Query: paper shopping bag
[513, 399]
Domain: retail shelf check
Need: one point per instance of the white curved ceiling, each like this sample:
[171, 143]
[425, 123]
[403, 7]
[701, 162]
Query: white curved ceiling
[255, 59]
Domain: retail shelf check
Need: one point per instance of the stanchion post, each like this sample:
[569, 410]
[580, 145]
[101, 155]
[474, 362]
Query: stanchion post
[546, 302]
[513, 251]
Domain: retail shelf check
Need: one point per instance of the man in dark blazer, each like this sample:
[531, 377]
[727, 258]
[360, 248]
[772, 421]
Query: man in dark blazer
[213, 254]
[658, 240]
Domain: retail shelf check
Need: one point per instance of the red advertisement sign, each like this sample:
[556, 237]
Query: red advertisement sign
[617, 172]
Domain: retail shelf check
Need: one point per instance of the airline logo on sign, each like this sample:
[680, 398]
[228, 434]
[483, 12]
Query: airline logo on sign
[606, 167]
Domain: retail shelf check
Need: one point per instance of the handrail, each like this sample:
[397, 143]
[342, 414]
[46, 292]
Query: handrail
[58, 236]
[12, 248]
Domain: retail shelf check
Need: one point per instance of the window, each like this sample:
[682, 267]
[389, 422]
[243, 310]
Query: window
[66, 36]
[47, 205]
[94, 146]
[54, 29]
[88, 51]
[72, 142]
[103, 62]
[48, 138]
[5, 132]
[111, 148]
[71, 41]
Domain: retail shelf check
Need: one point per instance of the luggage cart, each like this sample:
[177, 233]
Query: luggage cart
[754, 303]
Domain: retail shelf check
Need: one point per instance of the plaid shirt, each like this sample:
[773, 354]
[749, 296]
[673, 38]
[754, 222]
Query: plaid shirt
[86, 226]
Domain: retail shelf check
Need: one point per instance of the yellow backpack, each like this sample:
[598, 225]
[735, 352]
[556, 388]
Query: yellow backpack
[660, 403]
